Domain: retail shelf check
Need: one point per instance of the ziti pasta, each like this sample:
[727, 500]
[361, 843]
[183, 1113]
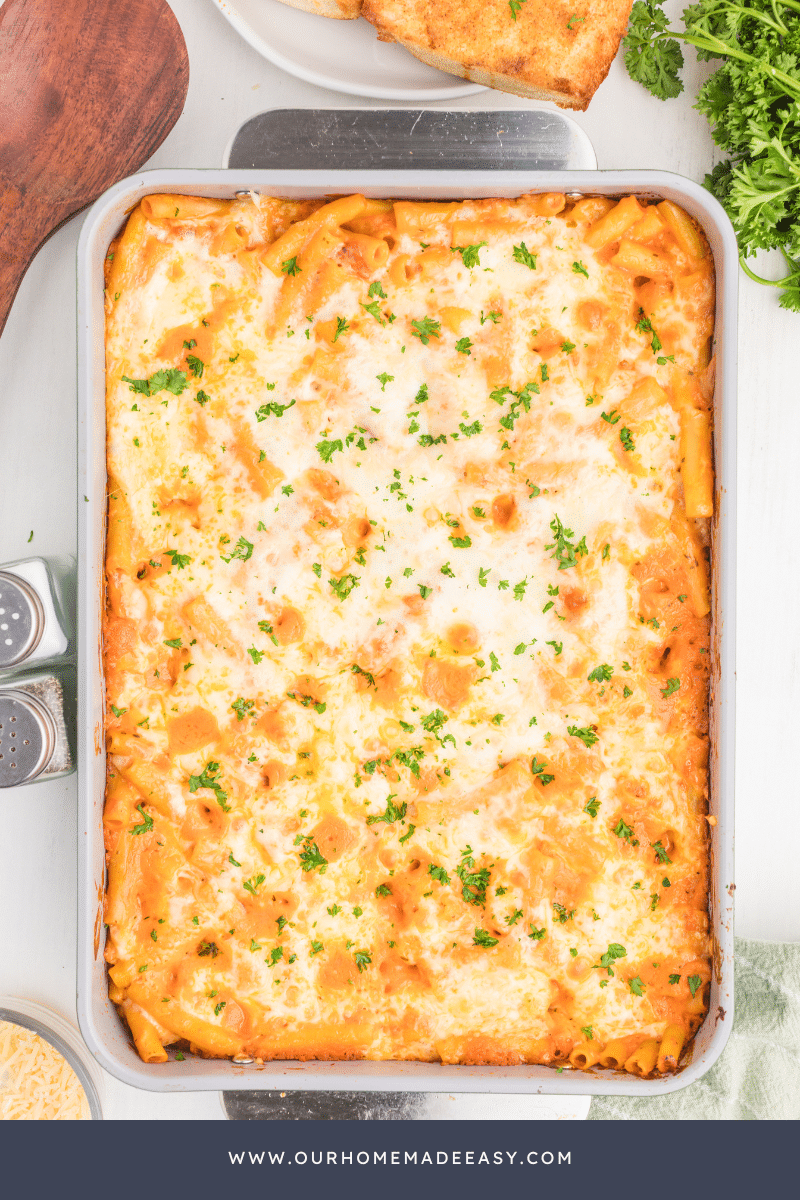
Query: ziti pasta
[407, 629]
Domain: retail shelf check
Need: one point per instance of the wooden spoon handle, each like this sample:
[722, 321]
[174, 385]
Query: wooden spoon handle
[25, 222]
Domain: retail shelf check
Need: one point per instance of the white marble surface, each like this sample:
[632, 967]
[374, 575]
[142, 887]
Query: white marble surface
[230, 82]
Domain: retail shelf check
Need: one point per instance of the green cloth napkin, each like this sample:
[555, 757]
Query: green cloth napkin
[757, 1076]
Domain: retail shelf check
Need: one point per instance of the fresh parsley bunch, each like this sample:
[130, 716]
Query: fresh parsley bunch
[752, 102]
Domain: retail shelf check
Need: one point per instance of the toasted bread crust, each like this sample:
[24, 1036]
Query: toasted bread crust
[558, 50]
[339, 10]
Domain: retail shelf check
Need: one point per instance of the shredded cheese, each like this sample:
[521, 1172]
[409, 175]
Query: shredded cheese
[36, 1082]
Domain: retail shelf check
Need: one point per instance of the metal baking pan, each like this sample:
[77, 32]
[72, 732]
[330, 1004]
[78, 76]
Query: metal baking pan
[101, 1027]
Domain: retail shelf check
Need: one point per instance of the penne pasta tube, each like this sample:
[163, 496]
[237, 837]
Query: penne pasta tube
[610, 227]
[289, 244]
[670, 1050]
[643, 1060]
[696, 465]
[181, 208]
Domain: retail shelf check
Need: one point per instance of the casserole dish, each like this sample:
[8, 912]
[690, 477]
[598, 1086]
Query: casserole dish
[103, 1032]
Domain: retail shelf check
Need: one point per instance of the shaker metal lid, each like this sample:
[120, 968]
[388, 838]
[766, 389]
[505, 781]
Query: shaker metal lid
[21, 619]
[27, 737]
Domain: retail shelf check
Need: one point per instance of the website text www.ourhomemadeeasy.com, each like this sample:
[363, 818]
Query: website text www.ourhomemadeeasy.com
[399, 1158]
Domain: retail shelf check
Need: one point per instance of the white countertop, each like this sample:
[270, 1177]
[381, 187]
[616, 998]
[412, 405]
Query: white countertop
[629, 128]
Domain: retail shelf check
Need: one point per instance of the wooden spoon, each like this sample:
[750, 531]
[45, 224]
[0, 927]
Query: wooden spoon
[89, 89]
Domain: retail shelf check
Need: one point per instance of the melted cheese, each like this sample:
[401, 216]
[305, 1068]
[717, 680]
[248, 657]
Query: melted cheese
[36, 1082]
[407, 643]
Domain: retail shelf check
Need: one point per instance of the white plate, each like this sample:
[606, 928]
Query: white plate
[344, 56]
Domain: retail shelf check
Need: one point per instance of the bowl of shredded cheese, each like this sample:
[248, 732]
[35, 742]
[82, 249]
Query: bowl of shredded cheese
[46, 1072]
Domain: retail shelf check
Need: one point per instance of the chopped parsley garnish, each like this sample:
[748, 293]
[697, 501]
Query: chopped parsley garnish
[563, 914]
[538, 769]
[473, 883]
[118, 712]
[290, 266]
[243, 708]
[174, 643]
[253, 884]
[363, 960]
[521, 252]
[202, 397]
[612, 417]
[694, 982]
[464, 346]
[243, 550]
[470, 255]
[580, 269]
[591, 806]
[208, 950]
[375, 289]
[586, 735]
[209, 778]
[438, 873]
[424, 591]
[645, 325]
[171, 380]
[343, 587]
[316, 947]
[483, 575]
[179, 560]
[383, 889]
[661, 853]
[310, 857]
[447, 570]
[326, 449]
[625, 832]
[626, 438]
[425, 329]
[671, 688]
[460, 543]
[613, 952]
[273, 409]
[146, 825]
[383, 379]
[537, 934]
[636, 986]
[256, 655]
[483, 938]
[394, 812]
[195, 365]
[565, 552]
[600, 674]
[342, 326]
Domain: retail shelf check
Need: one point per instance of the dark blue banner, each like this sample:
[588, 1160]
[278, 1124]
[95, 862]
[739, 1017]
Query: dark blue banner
[392, 1159]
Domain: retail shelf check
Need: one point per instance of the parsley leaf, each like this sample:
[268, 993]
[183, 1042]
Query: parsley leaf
[170, 380]
[565, 552]
[344, 586]
[394, 812]
[521, 252]
[243, 550]
[591, 806]
[470, 255]
[587, 735]
[273, 409]
[426, 329]
[146, 825]
[209, 778]
[311, 858]
[290, 266]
